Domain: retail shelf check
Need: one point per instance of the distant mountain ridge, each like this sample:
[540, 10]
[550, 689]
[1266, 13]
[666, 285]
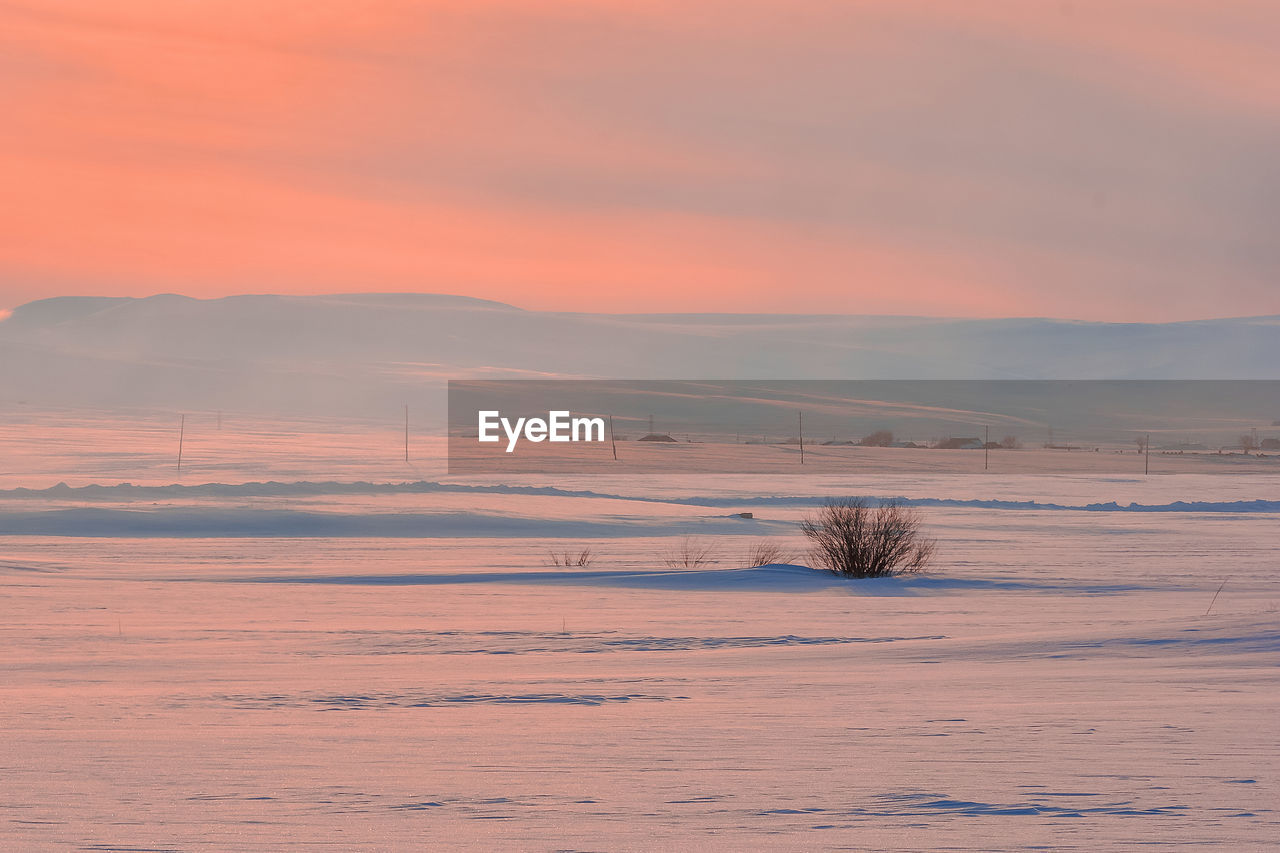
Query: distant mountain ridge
[349, 351]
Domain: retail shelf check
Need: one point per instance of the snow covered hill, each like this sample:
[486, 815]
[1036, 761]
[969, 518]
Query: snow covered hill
[342, 353]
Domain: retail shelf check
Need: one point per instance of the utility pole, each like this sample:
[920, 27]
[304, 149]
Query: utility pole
[1146, 456]
[182, 432]
[612, 441]
[800, 415]
[986, 446]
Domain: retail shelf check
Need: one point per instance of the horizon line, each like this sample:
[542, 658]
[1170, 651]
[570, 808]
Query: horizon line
[6, 313]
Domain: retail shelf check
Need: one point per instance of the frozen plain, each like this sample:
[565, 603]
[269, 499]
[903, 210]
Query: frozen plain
[1055, 683]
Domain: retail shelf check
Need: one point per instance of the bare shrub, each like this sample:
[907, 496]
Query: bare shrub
[767, 553]
[689, 554]
[879, 438]
[854, 539]
[1010, 442]
[571, 559]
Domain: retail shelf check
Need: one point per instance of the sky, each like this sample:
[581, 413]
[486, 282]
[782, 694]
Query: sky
[1095, 160]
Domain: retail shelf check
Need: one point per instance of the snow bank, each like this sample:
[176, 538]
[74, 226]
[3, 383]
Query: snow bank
[130, 492]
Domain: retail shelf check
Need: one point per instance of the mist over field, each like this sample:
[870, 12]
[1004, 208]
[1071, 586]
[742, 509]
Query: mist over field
[310, 631]
[352, 355]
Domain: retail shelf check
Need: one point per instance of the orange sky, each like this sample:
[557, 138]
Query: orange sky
[1109, 160]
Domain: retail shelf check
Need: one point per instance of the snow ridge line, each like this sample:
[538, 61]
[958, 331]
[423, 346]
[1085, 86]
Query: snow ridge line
[129, 491]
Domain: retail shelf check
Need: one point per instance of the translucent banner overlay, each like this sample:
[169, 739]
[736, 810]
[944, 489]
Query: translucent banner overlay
[864, 426]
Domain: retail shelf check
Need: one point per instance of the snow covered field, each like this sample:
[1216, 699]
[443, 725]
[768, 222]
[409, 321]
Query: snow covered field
[323, 666]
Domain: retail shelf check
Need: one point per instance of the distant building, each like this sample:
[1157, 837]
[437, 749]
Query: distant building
[960, 444]
[1270, 444]
[657, 436]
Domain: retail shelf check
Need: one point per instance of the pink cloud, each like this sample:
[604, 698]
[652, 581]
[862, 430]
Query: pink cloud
[998, 158]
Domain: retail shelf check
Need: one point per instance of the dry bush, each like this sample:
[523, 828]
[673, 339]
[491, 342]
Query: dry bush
[879, 438]
[854, 539]
[767, 553]
[689, 554]
[571, 559]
